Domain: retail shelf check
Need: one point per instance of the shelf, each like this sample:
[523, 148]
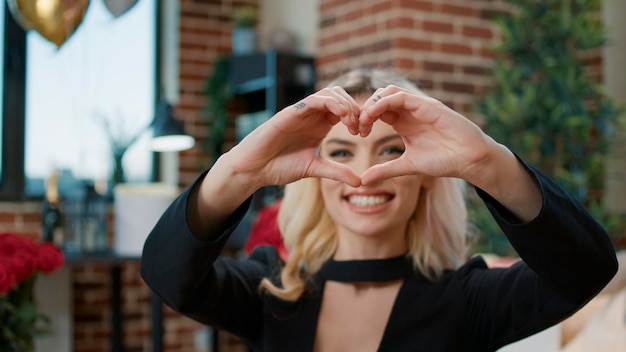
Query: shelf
[255, 85]
[108, 258]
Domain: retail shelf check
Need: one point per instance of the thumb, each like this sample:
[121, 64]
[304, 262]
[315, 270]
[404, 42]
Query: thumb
[335, 171]
[389, 169]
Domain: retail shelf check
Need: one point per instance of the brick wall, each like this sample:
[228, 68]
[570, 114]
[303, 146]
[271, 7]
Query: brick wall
[444, 45]
[205, 34]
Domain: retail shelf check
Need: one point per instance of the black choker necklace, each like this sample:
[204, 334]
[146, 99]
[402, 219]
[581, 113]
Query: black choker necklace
[367, 270]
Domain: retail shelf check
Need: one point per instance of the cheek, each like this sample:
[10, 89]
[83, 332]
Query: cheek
[409, 188]
[329, 189]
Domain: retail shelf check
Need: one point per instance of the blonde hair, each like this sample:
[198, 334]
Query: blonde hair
[435, 235]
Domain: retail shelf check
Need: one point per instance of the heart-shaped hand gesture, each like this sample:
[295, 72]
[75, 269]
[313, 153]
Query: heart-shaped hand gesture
[438, 140]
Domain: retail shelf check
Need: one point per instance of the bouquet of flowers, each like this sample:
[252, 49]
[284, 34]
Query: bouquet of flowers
[21, 260]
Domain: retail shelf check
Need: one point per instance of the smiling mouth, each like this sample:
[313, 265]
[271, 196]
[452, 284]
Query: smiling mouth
[368, 201]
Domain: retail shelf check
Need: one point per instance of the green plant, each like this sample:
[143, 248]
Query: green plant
[546, 107]
[245, 16]
[219, 93]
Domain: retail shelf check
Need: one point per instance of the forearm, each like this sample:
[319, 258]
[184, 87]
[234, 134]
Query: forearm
[506, 179]
[216, 197]
[563, 244]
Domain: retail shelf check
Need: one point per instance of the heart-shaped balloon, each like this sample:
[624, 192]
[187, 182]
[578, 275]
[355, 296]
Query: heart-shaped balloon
[55, 20]
[119, 7]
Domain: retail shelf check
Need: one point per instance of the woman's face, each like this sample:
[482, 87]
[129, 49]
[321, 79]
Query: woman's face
[379, 209]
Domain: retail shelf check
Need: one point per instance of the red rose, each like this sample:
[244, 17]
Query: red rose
[7, 278]
[21, 264]
[10, 244]
[49, 257]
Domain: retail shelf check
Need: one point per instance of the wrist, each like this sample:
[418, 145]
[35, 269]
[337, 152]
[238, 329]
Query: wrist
[511, 184]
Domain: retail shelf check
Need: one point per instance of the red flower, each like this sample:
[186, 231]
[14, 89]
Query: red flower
[7, 278]
[10, 243]
[21, 257]
[49, 257]
[21, 260]
[21, 264]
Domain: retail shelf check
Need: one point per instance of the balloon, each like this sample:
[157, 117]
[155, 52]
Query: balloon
[55, 20]
[119, 7]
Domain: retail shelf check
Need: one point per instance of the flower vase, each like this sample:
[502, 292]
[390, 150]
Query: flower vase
[118, 167]
[244, 40]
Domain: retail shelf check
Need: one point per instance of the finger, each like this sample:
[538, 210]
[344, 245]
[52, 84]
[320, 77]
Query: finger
[374, 98]
[335, 171]
[351, 120]
[393, 168]
[421, 107]
[324, 100]
[366, 120]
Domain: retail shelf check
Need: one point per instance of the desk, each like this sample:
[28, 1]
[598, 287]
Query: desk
[114, 261]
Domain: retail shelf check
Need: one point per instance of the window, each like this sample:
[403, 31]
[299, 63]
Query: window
[104, 74]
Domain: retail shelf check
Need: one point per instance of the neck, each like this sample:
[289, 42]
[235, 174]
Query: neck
[356, 247]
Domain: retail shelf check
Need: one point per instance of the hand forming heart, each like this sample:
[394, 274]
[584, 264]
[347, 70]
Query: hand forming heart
[438, 140]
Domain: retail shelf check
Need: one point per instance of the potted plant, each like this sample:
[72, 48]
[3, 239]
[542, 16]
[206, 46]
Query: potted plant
[219, 93]
[548, 108]
[244, 37]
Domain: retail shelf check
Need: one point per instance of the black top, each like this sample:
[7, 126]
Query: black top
[567, 259]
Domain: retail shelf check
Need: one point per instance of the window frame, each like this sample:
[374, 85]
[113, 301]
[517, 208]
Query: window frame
[13, 109]
[13, 178]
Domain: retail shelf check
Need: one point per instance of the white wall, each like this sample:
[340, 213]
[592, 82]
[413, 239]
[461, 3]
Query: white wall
[53, 293]
[300, 17]
[615, 79]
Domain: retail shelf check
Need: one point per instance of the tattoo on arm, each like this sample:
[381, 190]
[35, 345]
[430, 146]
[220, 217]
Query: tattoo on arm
[300, 106]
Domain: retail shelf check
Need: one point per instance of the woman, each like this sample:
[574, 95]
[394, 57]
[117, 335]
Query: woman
[374, 222]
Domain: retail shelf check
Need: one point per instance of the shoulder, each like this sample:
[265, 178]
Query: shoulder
[269, 258]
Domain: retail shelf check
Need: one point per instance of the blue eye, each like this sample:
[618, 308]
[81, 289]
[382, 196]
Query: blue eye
[392, 150]
[339, 153]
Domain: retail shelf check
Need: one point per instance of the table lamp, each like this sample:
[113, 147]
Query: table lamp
[168, 133]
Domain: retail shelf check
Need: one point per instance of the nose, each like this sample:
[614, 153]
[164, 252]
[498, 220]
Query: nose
[362, 162]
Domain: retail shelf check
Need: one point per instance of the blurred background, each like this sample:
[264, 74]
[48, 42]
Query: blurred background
[88, 85]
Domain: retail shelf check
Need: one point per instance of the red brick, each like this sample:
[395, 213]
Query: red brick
[458, 49]
[477, 32]
[457, 10]
[7, 218]
[438, 27]
[476, 70]
[413, 44]
[458, 87]
[426, 6]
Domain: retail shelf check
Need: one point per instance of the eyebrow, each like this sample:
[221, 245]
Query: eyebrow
[382, 140]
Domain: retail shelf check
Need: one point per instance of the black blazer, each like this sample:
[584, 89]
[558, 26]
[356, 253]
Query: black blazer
[567, 259]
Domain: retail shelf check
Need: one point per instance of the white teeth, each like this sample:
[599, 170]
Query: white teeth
[367, 201]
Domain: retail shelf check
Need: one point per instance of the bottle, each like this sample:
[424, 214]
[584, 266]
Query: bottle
[52, 218]
[94, 234]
